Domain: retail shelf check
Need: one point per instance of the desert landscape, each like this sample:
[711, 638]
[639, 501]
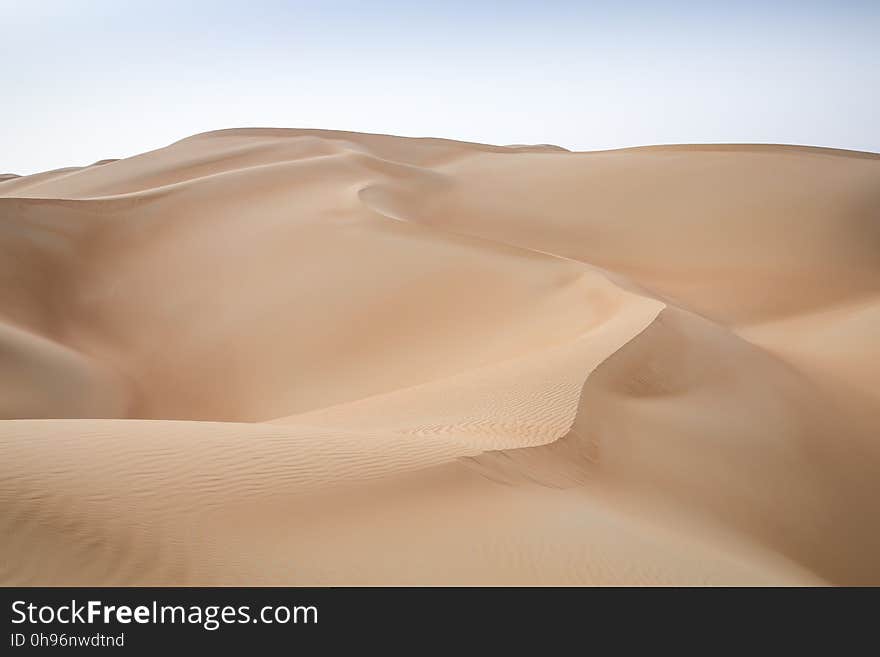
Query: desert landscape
[305, 357]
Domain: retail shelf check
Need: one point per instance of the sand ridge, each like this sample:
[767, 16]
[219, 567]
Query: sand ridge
[279, 356]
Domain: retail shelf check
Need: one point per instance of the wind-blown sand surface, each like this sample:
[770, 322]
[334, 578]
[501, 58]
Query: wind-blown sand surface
[266, 356]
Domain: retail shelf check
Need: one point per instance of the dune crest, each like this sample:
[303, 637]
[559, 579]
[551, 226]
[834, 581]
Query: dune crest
[279, 356]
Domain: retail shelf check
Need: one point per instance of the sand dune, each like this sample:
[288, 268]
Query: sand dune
[265, 356]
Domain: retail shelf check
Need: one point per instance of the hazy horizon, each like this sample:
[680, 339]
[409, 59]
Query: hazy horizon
[94, 80]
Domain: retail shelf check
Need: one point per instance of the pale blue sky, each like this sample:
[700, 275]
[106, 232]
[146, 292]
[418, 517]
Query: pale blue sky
[84, 80]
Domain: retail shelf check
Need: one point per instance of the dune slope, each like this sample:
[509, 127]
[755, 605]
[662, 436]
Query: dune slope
[266, 356]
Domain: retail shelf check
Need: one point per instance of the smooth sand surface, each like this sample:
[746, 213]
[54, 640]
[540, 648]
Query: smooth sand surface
[293, 357]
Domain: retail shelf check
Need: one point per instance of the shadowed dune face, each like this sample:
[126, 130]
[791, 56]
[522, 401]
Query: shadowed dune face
[689, 420]
[309, 357]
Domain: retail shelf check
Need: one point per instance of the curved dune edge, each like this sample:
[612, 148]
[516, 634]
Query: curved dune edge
[279, 356]
[322, 458]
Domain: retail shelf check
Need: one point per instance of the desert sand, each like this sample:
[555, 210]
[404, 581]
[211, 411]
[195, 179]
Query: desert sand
[306, 357]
